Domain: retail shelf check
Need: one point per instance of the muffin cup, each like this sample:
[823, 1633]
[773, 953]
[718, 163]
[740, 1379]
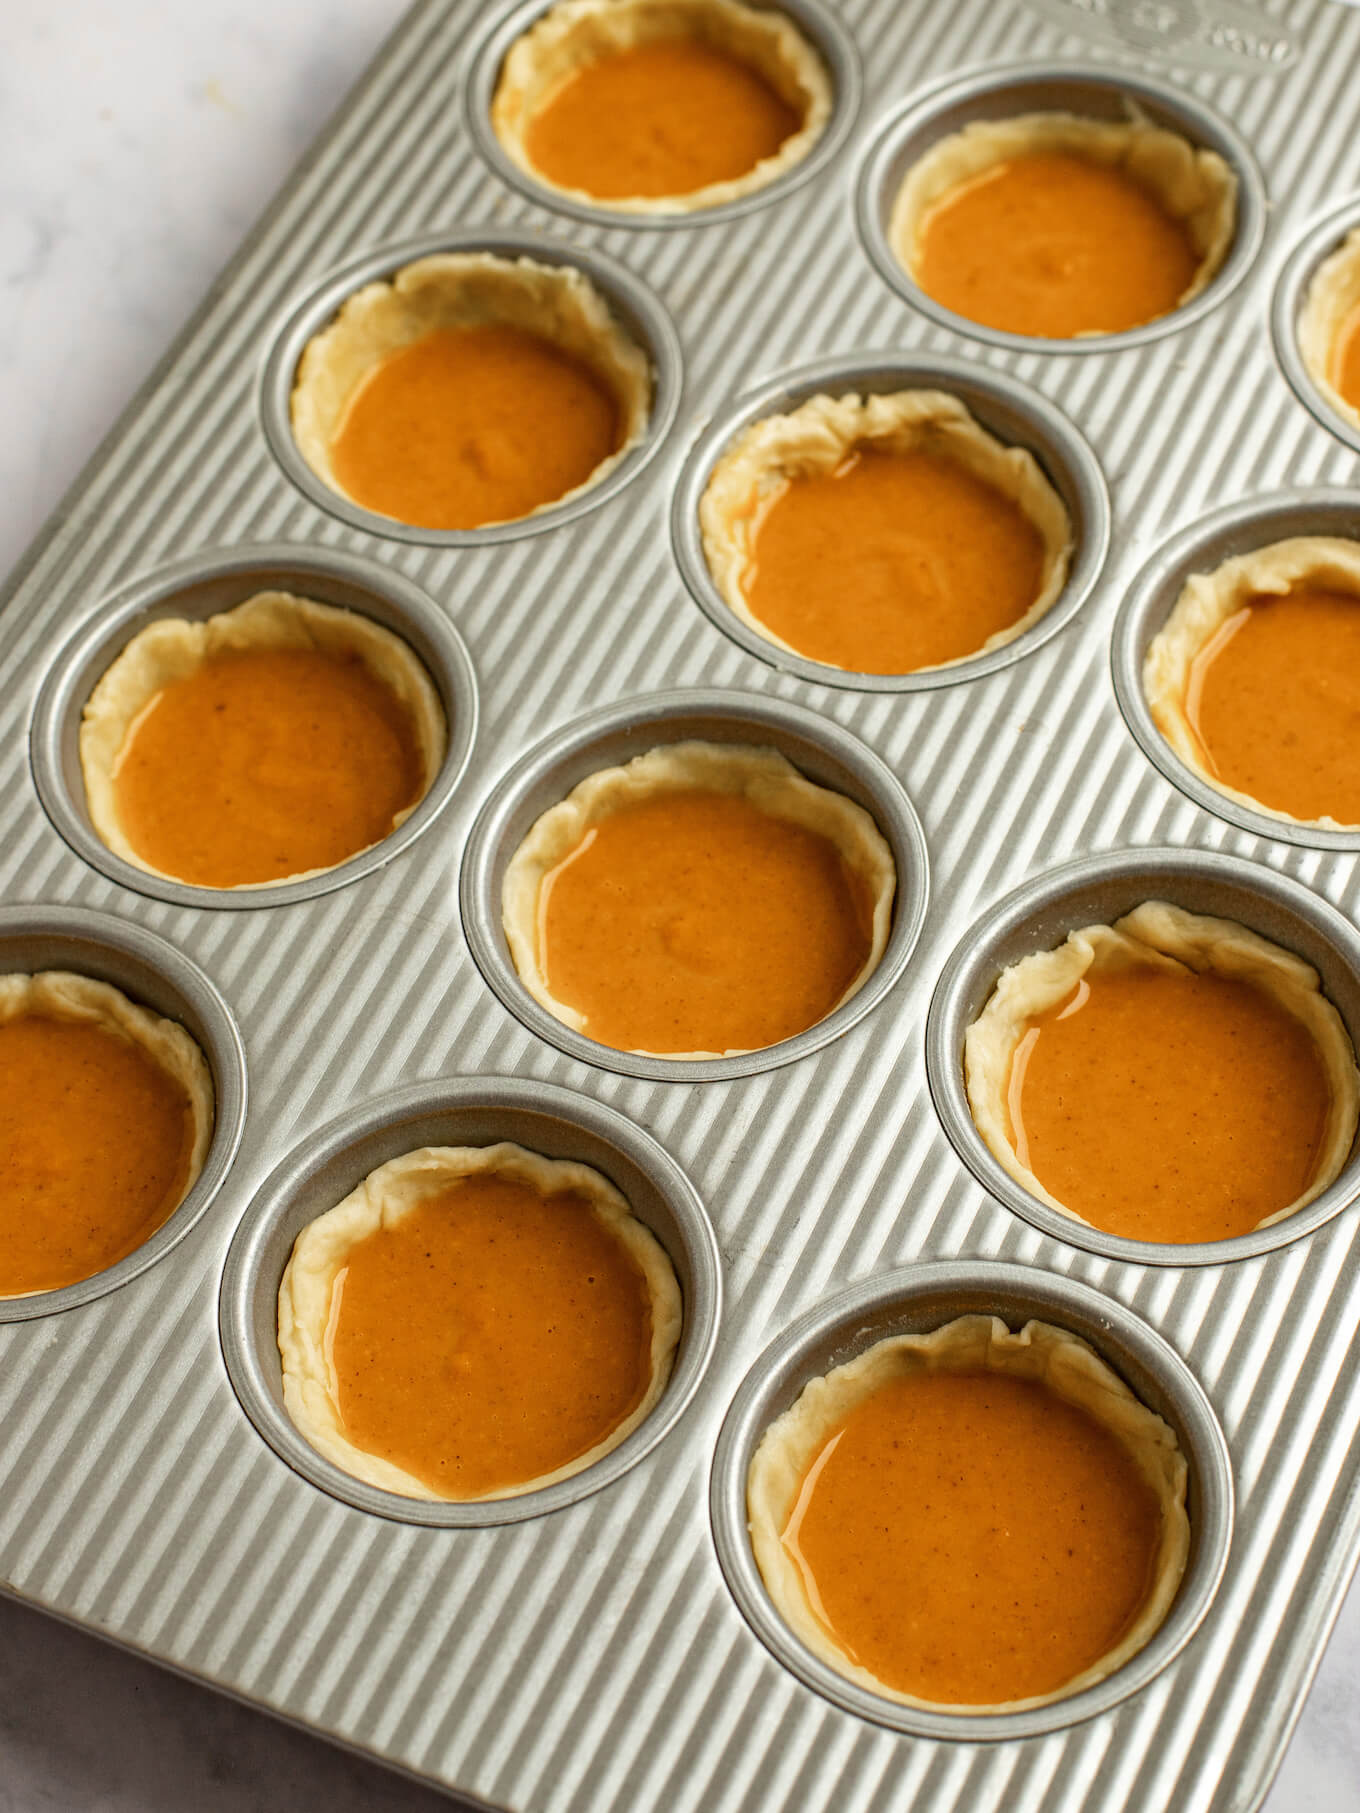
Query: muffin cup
[460, 1111]
[1291, 291]
[196, 588]
[914, 1301]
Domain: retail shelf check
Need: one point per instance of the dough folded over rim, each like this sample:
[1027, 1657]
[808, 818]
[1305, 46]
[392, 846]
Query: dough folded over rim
[1156, 936]
[762, 776]
[576, 33]
[1206, 602]
[1195, 187]
[172, 648]
[814, 440]
[383, 1200]
[59, 994]
[467, 289]
[1328, 308]
[1040, 1353]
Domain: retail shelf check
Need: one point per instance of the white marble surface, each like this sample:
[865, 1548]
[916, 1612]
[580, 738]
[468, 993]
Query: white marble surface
[137, 145]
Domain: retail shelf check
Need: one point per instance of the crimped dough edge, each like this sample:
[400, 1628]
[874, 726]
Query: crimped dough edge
[760, 775]
[1156, 936]
[1206, 602]
[172, 648]
[1041, 1353]
[556, 302]
[576, 33]
[1328, 308]
[815, 438]
[60, 994]
[383, 1200]
[1195, 186]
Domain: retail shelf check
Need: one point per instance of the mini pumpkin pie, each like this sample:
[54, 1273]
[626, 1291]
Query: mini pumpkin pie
[1170, 1077]
[1329, 329]
[106, 1115]
[971, 1520]
[263, 744]
[475, 1322]
[660, 106]
[704, 900]
[1055, 225]
[1254, 679]
[883, 534]
[469, 389]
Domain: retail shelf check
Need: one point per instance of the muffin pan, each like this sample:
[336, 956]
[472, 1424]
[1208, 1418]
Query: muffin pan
[596, 1649]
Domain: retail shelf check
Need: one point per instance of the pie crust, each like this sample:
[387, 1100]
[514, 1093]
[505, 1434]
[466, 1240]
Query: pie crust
[1206, 602]
[172, 648]
[1156, 936]
[466, 289]
[383, 1200]
[762, 776]
[814, 440]
[1195, 187]
[1328, 309]
[1040, 1353]
[576, 33]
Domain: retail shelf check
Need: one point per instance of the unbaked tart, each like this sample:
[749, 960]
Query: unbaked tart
[1329, 328]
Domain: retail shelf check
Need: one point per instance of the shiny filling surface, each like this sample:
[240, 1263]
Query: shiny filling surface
[264, 763]
[1346, 360]
[661, 119]
[492, 1336]
[1054, 245]
[693, 921]
[895, 561]
[1169, 1107]
[1274, 701]
[95, 1146]
[473, 425]
[973, 1539]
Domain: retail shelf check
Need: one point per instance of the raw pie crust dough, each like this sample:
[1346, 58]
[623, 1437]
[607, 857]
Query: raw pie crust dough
[1206, 602]
[172, 648]
[815, 439]
[1156, 936]
[59, 994]
[577, 33]
[1332, 299]
[383, 1200]
[466, 289]
[1195, 187]
[761, 776]
[1040, 1353]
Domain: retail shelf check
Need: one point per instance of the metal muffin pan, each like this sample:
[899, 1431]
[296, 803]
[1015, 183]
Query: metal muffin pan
[1096, 890]
[154, 974]
[461, 1111]
[1291, 292]
[914, 1302]
[1237, 528]
[609, 738]
[198, 587]
[1096, 91]
[1015, 414]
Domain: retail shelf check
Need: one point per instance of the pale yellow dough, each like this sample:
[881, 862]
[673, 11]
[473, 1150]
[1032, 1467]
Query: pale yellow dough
[1206, 602]
[1040, 1353]
[576, 33]
[761, 776]
[172, 648]
[383, 1200]
[1156, 936]
[815, 439]
[1195, 187]
[1328, 308]
[457, 290]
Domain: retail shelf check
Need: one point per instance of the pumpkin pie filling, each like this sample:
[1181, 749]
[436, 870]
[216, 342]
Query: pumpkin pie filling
[1329, 327]
[1348, 361]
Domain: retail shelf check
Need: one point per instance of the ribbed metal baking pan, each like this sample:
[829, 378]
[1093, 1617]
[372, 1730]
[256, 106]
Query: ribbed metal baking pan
[613, 1653]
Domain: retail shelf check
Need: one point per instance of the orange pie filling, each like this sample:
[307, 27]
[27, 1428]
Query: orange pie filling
[105, 1118]
[475, 1322]
[1329, 327]
[1348, 360]
[971, 1519]
[706, 899]
[1169, 1078]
